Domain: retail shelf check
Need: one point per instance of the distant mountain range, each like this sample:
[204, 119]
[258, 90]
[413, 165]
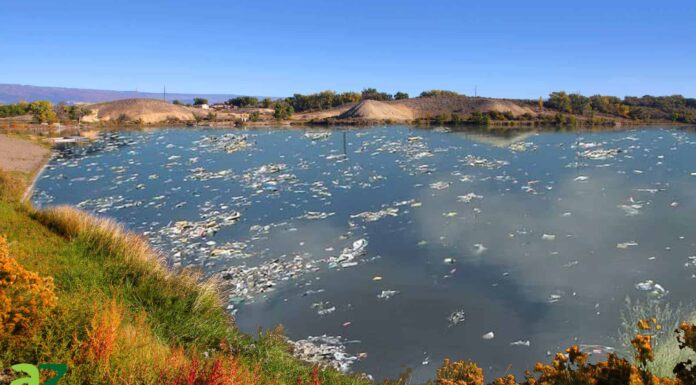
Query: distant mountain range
[13, 93]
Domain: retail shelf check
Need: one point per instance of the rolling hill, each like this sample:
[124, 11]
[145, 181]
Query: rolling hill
[13, 93]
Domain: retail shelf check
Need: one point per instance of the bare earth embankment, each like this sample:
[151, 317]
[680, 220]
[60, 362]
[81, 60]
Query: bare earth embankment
[417, 108]
[463, 105]
[145, 110]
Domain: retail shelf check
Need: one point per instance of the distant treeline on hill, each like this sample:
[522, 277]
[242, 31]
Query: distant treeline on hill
[675, 108]
[43, 111]
[329, 99]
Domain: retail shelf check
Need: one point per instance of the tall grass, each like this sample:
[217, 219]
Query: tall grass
[182, 305]
[666, 349]
[11, 186]
[177, 316]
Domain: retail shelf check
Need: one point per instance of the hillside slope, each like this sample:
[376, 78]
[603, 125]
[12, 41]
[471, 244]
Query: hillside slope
[376, 110]
[463, 105]
[13, 93]
[408, 110]
[147, 110]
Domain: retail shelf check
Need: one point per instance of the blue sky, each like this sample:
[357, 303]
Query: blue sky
[279, 47]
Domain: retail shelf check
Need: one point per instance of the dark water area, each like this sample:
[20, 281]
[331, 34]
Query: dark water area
[535, 240]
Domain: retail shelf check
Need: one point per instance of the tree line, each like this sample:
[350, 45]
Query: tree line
[325, 100]
[43, 111]
[676, 107]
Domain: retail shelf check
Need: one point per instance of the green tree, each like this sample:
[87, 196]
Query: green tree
[427, 94]
[243, 101]
[43, 112]
[178, 103]
[283, 110]
[266, 103]
[579, 104]
[373, 94]
[199, 101]
[8, 110]
[560, 101]
[400, 95]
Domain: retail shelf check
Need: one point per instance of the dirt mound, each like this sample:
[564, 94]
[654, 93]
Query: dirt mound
[376, 110]
[462, 105]
[149, 110]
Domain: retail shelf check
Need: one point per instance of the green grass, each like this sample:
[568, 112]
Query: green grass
[94, 262]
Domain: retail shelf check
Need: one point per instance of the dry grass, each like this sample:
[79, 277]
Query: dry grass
[11, 186]
[104, 236]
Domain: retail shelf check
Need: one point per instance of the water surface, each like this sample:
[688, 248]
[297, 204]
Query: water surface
[538, 239]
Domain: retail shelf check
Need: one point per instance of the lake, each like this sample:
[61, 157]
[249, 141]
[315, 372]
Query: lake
[411, 245]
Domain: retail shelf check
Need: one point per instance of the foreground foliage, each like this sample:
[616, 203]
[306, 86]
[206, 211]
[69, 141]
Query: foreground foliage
[573, 367]
[116, 315]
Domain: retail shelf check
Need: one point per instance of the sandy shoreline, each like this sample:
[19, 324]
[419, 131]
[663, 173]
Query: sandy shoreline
[19, 155]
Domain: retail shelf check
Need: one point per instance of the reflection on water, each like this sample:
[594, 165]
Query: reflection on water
[533, 240]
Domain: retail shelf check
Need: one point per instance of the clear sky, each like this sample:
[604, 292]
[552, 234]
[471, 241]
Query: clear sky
[508, 48]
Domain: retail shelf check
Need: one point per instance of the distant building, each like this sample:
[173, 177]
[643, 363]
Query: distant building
[205, 107]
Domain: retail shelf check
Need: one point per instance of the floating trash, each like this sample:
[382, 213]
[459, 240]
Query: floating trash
[328, 351]
[520, 343]
[456, 318]
[387, 294]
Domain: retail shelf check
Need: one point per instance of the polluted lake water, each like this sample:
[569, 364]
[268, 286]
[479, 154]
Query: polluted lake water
[385, 248]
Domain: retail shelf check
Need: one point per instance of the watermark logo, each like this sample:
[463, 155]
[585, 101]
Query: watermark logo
[32, 376]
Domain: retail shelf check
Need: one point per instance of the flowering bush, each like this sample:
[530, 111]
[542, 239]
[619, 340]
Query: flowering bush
[24, 296]
[572, 367]
[459, 373]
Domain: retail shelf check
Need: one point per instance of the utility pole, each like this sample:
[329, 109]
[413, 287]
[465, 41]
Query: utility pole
[476, 91]
[164, 93]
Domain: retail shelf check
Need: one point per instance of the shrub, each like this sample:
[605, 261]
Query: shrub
[24, 296]
[400, 95]
[102, 333]
[480, 119]
[459, 373]
[573, 367]
[283, 110]
[245, 101]
[222, 370]
[427, 94]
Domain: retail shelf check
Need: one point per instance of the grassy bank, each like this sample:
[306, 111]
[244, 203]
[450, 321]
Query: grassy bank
[119, 316]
